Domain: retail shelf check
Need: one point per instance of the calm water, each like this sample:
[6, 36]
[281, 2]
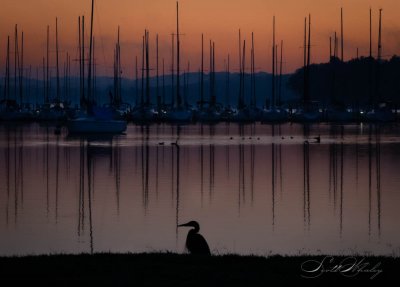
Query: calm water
[255, 189]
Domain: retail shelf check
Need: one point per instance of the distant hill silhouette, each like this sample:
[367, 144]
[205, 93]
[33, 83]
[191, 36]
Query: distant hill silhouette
[360, 81]
[105, 84]
[364, 81]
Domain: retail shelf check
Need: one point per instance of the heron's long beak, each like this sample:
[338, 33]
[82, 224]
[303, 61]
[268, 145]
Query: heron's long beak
[180, 225]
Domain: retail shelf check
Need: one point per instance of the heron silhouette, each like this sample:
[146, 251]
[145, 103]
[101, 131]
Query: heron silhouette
[195, 242]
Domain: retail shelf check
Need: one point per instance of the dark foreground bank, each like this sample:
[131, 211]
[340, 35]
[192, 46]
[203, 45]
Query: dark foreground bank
[166, 269]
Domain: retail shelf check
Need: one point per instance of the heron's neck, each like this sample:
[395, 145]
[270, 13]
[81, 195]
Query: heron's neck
[195, 229]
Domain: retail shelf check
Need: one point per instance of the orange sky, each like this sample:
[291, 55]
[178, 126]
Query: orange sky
[217, 19]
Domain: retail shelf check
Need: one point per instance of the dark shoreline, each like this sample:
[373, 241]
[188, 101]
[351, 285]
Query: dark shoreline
[169, 269]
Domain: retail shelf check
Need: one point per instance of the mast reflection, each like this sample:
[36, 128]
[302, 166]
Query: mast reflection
[211, 162]
[272, 178]
[306, 178]
[241, 189]
[273, 174]
[90, 149]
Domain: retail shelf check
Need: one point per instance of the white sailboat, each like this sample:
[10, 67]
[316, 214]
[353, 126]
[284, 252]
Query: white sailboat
[145, 112]
[339, 114]
[97, 119]
[274, 113]
[382, 113]
[10, 110]
[53, 110]
[87, 125]
[179, 113]
[310, 112]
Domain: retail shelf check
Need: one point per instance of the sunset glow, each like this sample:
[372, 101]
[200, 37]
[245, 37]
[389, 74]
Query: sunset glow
[219, 20]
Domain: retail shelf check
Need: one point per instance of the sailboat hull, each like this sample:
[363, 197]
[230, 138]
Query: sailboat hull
[339, 116]
[94, 126]
[15, 115]
[382, 116]
[179, 115]
[307, 116]
[274, 115]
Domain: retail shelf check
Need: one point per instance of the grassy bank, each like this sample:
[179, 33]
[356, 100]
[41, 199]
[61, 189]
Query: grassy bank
[166, 269]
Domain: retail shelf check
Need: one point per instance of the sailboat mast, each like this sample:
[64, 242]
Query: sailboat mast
[243, 70]
[211, 74]
[202, 73]
[273, 63]
[370, 33]
[66, 77]
[251, 71]
[187, 85]
[173, 70]
[308, 59]
[94, 72]
[229, 74]
[227, 82]
[136, 83]
[305, 63]
[157, 76]
[8, 67]
[378, 72]
[254, 74]
[214, 98]
[7, 78]
[47, 66]
[309, 41]
[184, 85]
[80, 57]
[252, 80]
[142, 90]
[44, 80]
[179, 100]
[90, 96]
[276, 74]
[336, 47]
[280, 76]
[57, 67]
[21, 71]
[83, 58]
[29, 82]
[115, 76]
[341, 33]
[37, 87]
[163, 82]
[15, 61]
[305, 42]
[118, 71]
[147, 69]
[240, 102]
[380, 36]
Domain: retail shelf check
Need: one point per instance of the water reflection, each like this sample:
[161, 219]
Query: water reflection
[374, 149]
[13, 172]
[255, 188]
